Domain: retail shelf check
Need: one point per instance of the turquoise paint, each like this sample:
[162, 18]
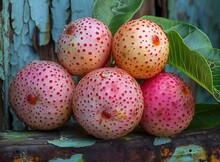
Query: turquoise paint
[17, 15]
[72, 142]
[5, 53]
[27, 12]
[59, 20]
[160, 141]
[40, 15]
[74, 158]
[189, 153]
[82, 8]
[25, 35]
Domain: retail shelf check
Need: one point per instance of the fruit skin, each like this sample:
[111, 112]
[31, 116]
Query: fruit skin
[140, 47]
[41, 95]
[108, 103]
[84, 45]
[169, 105]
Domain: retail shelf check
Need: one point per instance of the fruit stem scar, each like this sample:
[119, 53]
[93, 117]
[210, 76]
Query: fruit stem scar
[103, 74]
[70, 29]
[32, 99]
[155, 40]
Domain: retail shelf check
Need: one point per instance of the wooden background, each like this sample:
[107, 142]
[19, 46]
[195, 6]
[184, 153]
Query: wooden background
[30, 29]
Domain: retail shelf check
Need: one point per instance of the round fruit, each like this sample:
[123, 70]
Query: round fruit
[169, 105]
[41, 95]
[108, 103]
[140, 47]
[84, 45]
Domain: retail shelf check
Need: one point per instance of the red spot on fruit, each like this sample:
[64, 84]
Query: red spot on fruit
[70, 29]
[32, 99]
[105, 114]
[185, 90]
[155, 40]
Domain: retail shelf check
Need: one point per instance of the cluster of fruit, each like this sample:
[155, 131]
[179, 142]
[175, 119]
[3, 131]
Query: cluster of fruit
[107, 102]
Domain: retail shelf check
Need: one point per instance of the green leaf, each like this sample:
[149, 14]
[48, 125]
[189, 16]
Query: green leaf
[191, 52]
[114, 13]
[190, 62]
[206, 116]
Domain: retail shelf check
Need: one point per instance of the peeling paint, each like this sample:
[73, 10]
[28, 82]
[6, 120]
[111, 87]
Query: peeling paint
[72, 142]
[40, 15]
[74, 158]
[160, 141]
[17, 15]
[188, 153]
[5, 60]
[59, 20]
[26, 16]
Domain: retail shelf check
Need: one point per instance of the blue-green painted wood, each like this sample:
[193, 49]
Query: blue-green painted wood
[60, 15]
[17, 15]
[81, 8]
[26, 12]
[4, 59]
[40, 15]
[202, 13]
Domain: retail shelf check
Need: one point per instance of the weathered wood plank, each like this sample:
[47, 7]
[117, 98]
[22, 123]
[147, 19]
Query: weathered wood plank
[72, 142]
[4, 61]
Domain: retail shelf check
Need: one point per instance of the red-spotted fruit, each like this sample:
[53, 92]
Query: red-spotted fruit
[41, 95]
[108, 103]
[169, 105]
[84, 45]
[140, 47]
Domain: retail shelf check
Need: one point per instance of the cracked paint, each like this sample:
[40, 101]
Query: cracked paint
[188, 153]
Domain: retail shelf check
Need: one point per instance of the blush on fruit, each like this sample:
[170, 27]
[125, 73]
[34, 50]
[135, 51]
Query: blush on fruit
[108, 103]
[41, 95]
[169, 105]
[141, 48]
[84, 45]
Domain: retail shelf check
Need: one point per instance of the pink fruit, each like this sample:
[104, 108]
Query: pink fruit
[41, 95]
[84, 45]
[141, 48]
[108, 103]
[169, 105]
